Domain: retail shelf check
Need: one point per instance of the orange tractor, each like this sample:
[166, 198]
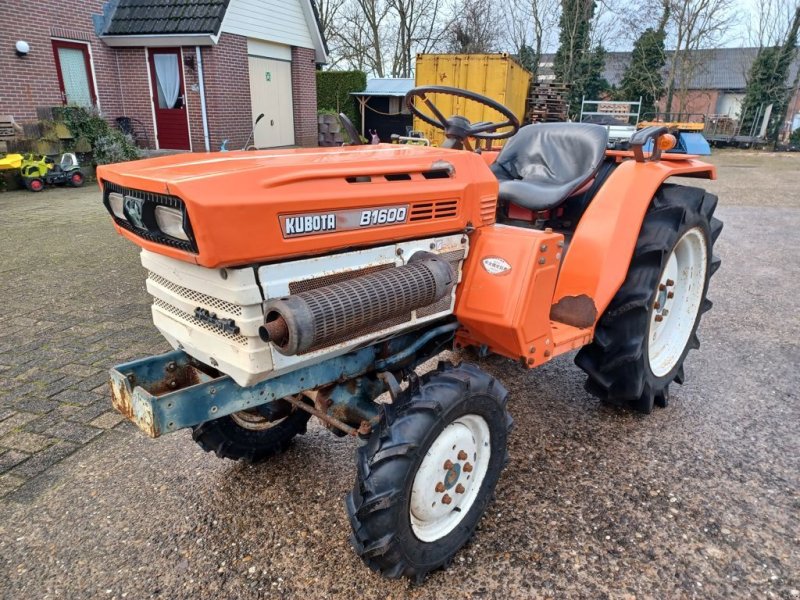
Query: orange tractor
[303, 282]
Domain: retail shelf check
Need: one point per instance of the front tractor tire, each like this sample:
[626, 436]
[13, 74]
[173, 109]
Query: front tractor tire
[251, 436]
[428, 472]
[642, 339]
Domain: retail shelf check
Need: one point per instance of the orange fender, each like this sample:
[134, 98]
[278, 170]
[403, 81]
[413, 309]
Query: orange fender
[601, 249]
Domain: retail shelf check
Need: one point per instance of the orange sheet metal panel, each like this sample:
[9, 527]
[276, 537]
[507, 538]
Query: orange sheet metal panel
[238, 202]
[504, 302]
[600, 251]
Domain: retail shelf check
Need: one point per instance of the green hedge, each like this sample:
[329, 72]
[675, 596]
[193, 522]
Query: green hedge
[334, 88]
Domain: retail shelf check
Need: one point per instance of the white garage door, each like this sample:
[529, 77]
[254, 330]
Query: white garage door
[271, 94]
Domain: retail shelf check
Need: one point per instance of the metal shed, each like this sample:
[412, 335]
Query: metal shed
[382, 108]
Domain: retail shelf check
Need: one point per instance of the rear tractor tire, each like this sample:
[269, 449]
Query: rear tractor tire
[428, 472]
[642, 339]
[251, 436]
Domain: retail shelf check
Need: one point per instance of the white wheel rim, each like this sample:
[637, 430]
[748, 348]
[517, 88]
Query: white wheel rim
[678, 298]
[450, 477]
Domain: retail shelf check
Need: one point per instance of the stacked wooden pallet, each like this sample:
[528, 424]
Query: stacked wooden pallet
[547, 102]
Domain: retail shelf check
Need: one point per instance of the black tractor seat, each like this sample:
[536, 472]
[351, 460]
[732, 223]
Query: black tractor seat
[544, 164]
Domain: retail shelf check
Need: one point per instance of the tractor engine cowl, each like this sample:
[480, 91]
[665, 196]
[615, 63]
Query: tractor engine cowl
[297, 323]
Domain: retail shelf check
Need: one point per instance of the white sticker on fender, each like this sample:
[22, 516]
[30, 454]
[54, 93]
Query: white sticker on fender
[495, 265]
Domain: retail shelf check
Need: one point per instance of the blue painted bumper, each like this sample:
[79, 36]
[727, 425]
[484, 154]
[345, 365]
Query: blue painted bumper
[164, 393]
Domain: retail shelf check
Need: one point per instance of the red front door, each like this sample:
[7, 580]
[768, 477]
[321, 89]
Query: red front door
[166, 74]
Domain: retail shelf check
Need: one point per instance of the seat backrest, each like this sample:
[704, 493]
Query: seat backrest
[553, 154]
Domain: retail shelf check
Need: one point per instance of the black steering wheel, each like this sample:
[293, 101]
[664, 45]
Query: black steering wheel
[352, 132]
[457, 128]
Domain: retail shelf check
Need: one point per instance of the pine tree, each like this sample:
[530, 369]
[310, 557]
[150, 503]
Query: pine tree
[767, 83]
[644, 76]
[575, 63]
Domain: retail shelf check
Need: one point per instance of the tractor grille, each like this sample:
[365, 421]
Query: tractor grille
[151, 233]
[488, 209]
[440, 209]
[198, 324]
[195, 297]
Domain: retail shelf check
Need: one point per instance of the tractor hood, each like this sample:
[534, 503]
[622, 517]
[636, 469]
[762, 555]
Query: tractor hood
[252, 207]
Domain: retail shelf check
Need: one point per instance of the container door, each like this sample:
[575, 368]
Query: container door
[271, 94]
[166, 74]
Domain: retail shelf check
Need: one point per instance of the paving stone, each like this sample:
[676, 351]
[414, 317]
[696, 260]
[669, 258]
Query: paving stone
[90, 412]
[79, 397]
[11, 458]
[45, 459]
[26, 441]
[73, 432]
[35, 405]
[98, 380]
[9, 483]
[44, 423]
[80, 370]
[16, 421]
[53, 388]
[107, 420]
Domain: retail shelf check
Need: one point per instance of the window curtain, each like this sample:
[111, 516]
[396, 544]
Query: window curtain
[169, 79]
[76, 80]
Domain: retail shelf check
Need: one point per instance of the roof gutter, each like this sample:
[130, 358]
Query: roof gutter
[160, 40]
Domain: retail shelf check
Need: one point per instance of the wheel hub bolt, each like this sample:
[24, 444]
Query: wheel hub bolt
[459, 489]
[665, 312]
[467, 468]
[659, 318]
[661, 287]
[440, 487]
[462, 455]
[448, 464]
[670, 294]
[446, 499]
[657, 305]
[670, 283]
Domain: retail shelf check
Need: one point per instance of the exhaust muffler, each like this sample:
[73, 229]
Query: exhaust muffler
[315, 318]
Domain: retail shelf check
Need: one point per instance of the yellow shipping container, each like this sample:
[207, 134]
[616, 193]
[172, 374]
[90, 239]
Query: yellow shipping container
[497, 76]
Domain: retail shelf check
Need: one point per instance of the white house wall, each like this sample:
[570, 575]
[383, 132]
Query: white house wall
[281, 21]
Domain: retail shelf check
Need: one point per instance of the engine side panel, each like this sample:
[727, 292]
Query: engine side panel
[193, 306]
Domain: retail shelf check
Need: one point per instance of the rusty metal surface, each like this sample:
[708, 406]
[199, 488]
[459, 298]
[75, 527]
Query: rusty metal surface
[578, 311]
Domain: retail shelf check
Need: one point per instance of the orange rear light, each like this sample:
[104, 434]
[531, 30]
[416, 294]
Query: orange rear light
[667, 142]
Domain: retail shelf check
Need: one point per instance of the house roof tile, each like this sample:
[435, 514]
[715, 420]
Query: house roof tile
[158, 17]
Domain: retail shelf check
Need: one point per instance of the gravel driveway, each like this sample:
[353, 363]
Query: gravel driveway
[700, 499]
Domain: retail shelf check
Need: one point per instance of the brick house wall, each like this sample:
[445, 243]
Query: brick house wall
[227, 82]
[692, 102]
[134, 81]
[304, 96]
[31, 81]
[121, 76]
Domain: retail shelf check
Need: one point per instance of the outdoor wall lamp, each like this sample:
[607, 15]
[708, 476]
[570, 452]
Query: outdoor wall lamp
[22, 48]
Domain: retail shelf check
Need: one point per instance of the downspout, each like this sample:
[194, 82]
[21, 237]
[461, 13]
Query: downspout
[202, 83]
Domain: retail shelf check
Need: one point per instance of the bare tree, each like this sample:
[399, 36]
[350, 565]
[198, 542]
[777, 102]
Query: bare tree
[531, 27]
[769, 22]
[418, 30]
[362, 31]
[696, 24]
[328, 12]
[475, 28]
